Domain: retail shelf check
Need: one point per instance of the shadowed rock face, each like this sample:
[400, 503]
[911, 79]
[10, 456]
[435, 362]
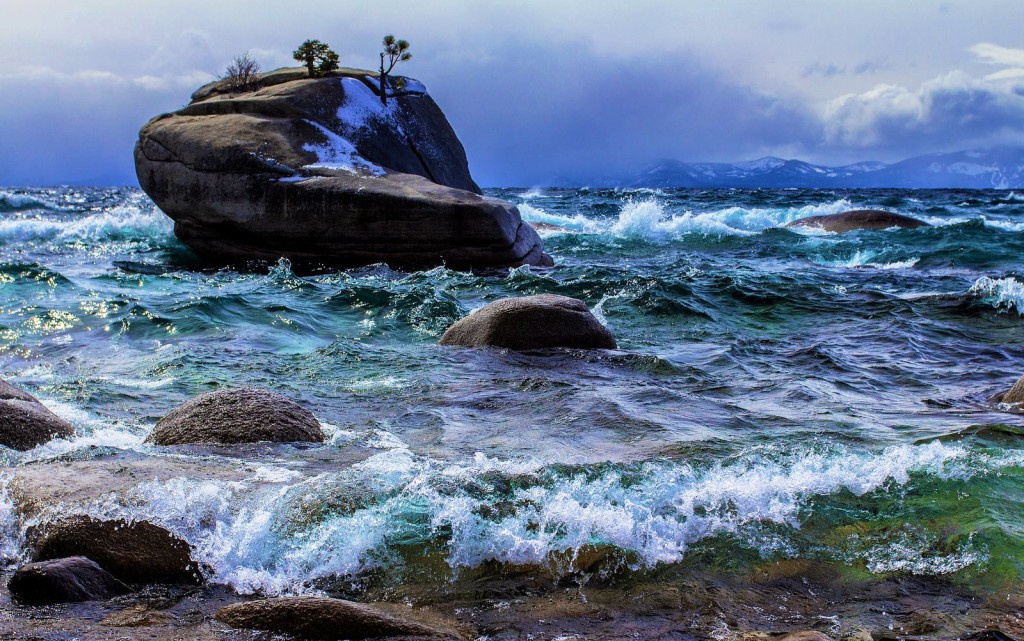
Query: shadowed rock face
[325, 618]
[243, 415]
[25, 422]
[870, 219]
[138, 552]
[319, 172]
[531, 322]
[66, 580]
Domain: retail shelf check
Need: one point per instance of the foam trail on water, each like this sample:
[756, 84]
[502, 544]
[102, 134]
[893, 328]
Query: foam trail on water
[1001, 292]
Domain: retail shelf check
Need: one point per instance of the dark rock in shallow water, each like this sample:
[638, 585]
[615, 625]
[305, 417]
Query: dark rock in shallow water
[325, 618]
[319, 172]
[244, 415]
[870, 219]
[25, 422]
[138, 552]
[531, 322]
[1012, 396]
[68, 580]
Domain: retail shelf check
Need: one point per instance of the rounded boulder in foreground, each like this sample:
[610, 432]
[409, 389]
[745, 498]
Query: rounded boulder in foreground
[137, 552]
[68, 580]
[25, 422]
[308, 617]
[243, 415]
[531, 322]
[869, 219]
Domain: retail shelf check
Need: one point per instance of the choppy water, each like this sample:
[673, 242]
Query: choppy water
[777, 394]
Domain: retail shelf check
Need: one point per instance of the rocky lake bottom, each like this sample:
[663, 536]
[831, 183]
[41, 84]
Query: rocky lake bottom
[796, 431]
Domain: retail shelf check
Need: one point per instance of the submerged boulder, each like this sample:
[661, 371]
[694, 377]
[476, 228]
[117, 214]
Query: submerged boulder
[137, 552]
[25, 422]
[243, 415]
[319, 171]
[67, 580]
[531, 322]
[870, 219]
[309, 617]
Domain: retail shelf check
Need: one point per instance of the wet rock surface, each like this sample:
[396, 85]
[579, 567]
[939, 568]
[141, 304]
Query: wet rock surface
[326, 618]
[135, 553]
[25, 422]
[66, 580]
[531, 322]
[868, 219]
[244, 415]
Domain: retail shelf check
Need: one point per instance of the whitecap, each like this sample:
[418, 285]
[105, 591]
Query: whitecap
[1005, 293]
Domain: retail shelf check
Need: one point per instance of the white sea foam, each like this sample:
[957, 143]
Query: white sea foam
[10, 201]
[119, 223]
[870, 258]
[11, 539]
[273, 534]
[1005, 293]
[648, 219]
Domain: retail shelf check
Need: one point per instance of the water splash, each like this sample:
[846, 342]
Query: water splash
[1007, 293]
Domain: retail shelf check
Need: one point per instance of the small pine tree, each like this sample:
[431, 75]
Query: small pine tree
[318, 58]
[396, 51]
[243, 73]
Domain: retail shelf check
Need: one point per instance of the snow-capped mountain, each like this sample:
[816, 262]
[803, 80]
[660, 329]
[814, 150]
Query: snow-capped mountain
[1001, 168]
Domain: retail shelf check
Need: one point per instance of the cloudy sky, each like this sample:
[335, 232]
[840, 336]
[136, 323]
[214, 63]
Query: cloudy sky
[539, 91]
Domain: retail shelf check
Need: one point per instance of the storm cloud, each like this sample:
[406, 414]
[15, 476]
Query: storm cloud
[539, 93]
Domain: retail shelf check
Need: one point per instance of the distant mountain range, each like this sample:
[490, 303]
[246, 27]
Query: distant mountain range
[1001, 168]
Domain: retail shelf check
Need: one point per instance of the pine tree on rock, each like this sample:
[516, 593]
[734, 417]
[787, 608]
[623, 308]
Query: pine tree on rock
[395, 51]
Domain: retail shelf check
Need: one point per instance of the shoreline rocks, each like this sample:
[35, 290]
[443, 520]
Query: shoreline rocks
[67, 580]
[241, 415]
[318, 171]
[25, 422]
[309, 617]
[866, 219]
[135, 553]
[531, 322]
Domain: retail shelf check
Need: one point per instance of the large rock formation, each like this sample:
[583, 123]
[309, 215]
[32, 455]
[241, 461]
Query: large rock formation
[25, 422]
[244, 415]
[320, 172]
[531, 322]
[63, 581]
[138, 552]
[308, 617]
[870, 219]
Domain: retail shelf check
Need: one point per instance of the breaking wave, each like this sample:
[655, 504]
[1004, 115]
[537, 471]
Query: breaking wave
[271, 534]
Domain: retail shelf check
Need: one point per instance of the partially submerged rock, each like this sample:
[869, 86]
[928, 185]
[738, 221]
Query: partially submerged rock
[870, 219]
[67, 580]
[531, 322]
[1014, 395]
[137, 552]
[25, 422]
[243, 415]
[308, 617]
[318, 171]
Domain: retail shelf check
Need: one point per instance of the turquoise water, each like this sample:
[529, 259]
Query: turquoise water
[777, 394]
